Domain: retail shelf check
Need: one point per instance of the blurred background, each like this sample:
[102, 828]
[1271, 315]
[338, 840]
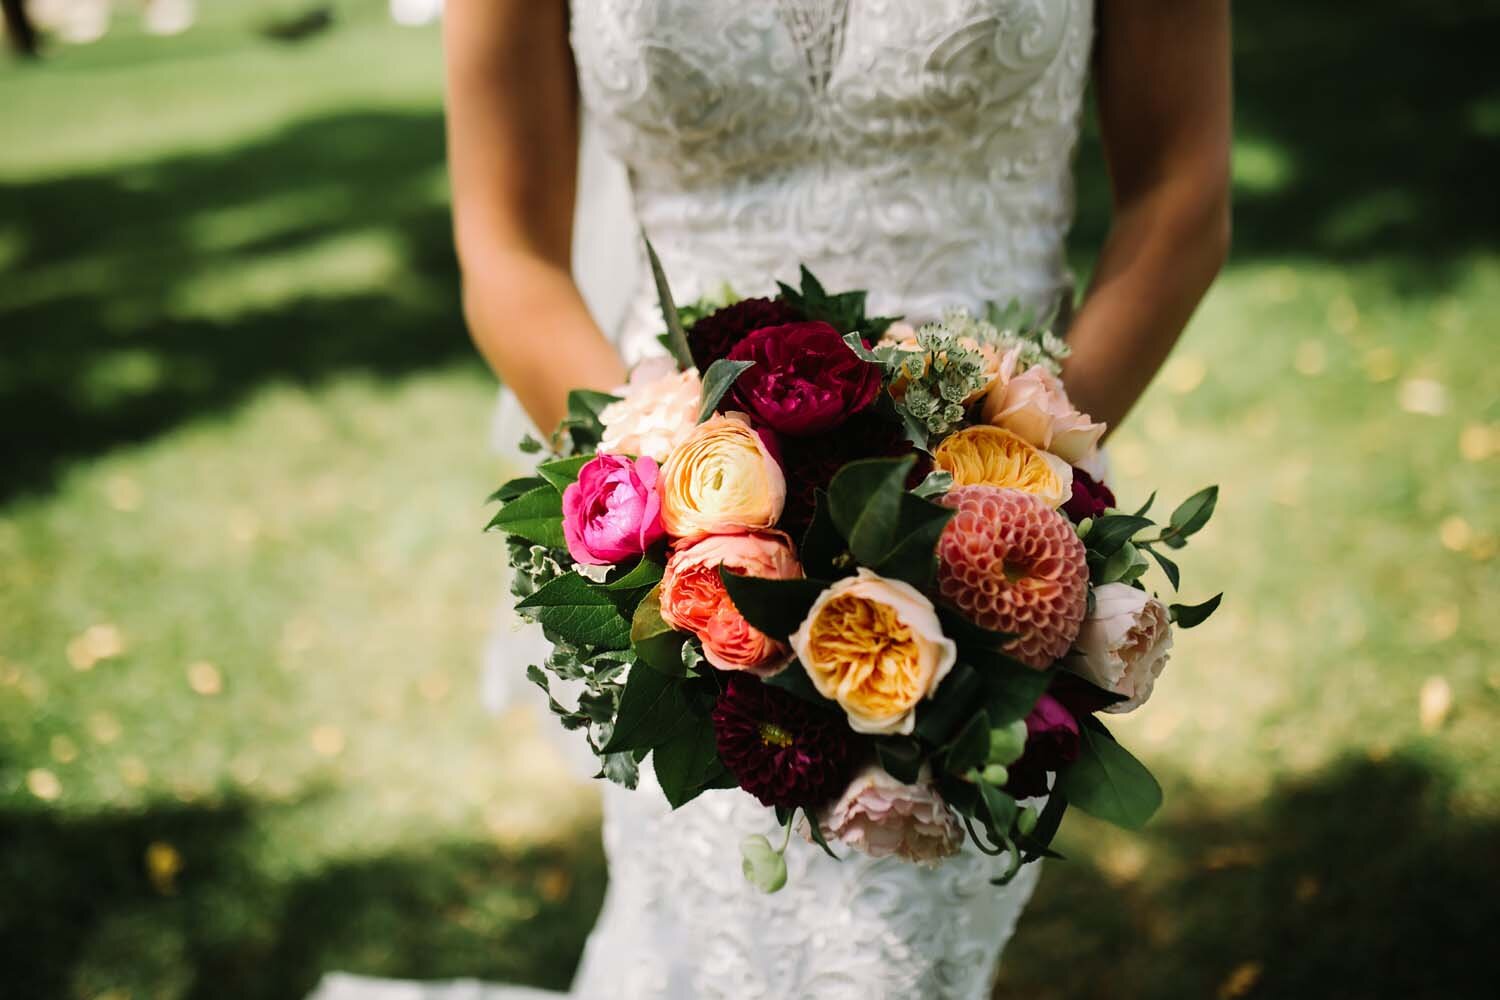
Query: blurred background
[243, 591]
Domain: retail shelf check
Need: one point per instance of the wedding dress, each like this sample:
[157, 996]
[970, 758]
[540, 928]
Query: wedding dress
[921, 151]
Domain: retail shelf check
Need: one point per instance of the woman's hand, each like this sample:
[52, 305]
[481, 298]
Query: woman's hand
[1162, 70]
[513, 156]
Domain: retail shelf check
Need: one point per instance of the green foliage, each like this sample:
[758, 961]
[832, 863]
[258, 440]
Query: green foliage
[676, 339]
[845, 312]
[535, 515]
[1107, 782]
[776, 607]
[656, 643]
[717, 381]
[864, 502]
[580, 612]
[1191, 615]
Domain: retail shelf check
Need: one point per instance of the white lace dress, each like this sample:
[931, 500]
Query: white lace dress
[922, 151]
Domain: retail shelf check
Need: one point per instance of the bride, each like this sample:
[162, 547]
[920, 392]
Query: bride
[920, 150]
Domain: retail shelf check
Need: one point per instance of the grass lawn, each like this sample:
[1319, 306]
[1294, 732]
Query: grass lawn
[242, 592]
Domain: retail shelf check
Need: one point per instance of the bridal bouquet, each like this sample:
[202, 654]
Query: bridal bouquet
[868, 573]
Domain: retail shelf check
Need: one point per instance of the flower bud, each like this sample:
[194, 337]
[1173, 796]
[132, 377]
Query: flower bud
[763, 865]
[995, 774]
[1007, 743]
[1026, 821]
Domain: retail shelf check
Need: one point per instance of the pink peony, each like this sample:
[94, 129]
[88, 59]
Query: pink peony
[613, 511]
[694, 600]
[1034, 405]
[1123, 644]
[1013, 564]
[881, 817]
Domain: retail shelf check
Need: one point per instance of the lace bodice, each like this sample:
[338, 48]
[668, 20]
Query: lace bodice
[919, 150]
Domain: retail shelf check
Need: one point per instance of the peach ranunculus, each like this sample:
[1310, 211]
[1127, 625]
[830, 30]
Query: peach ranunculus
[992, 456]
[1123, 644]
[1034, 404]
[721, 480]
[880, 816]
[694, 600]
[656, 412]
[874, 646]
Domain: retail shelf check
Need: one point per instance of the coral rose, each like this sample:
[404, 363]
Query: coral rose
[1123, 644]
[990, 456]
[1034, 405]
[1014, 565]
[882, 817]
[657, 411]
[723, 479]
[612, 511]
[694, 600]
[805, 379]
[874, 646]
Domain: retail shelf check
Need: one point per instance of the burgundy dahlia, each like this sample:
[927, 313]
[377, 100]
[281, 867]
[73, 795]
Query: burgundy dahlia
[1091, 498]
[1051, 745]
[811, 463]
[781, 749]
[713, 336]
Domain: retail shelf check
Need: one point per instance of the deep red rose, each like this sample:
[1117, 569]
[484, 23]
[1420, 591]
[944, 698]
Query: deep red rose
[1051, 744]
[811, 463]
[712, 336]
[805, 380]
[781, 749]
[1091, 498]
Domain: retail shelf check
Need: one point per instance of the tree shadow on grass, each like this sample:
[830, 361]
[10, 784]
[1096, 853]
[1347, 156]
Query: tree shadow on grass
[81, 912]
[140, 298]
[1367, 881]
[1366, 133]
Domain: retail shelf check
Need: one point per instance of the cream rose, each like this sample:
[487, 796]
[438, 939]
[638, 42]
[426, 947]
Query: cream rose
[1123, 644]
[1034, 404]
[992, 456]
[721, 480]
[879, 816]
[874, 646]
[657, 411]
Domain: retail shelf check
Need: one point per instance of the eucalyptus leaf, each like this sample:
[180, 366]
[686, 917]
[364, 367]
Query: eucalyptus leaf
[1191, 615]
[676, 340]
[717, 381]
[1107, 782]
[535, 515]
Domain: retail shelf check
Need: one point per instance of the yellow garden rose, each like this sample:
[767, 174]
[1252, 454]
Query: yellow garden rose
[992, 456]
[721, 480]
[874, 646]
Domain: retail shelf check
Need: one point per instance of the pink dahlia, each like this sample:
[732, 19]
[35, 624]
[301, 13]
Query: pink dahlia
[1013, 564]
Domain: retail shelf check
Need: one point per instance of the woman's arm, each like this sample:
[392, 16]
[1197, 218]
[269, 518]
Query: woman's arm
[1164, 104]
[513, 157]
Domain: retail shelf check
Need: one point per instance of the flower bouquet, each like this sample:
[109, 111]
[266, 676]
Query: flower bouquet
[866, 572]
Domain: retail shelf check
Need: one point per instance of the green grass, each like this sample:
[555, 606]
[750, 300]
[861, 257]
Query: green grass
[242, 594]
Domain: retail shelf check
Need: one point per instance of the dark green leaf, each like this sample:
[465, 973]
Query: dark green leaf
[901, 757]
[1001, 809]
[1111, 531]
[582, 421]
[940, 717]
[653, 709]
[514, 488]
[864, 500]
[685, 763]
[676, 340]
[1190, 615]
[656, 643]
[1037, 844]
[815, 830]
[535, 515]
[824, 554]
[970, 747]
[1193, 513]
[776, 607]
[794, 680]
[646, 573]
[717, 381]
[1167, 566]
[1010, 688]
[1147, 505]
[563, 472]
[920, 524]
[1107, 782]
[581, 612]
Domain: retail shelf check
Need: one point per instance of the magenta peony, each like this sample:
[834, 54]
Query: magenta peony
[712, 337]
[613, 511]
[1051, 745]
[781, 749]
[1013, 564]
[1091, 498]
[805, 380]
[882, 817]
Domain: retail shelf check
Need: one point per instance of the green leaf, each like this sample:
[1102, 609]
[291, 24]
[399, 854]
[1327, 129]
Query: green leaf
[717, 381]
[776, 607]
[794, 681]
[653, 709]
[1125, 566]
[1191, 615]
[656, 643]
[940, 717]
[864, 501]
[1174, 575]
[970, 747]
[583, 422]
[686, 763]
[1147, 505]
[815, 829]
[823, 552]
[1010, 688]
[938, 482]
[1111, 531]
[1193, 513]
[582, 612]
[514, 488]
[1001, 808]
[1038, 843]
[919, 525]
[535, 515]
[901, 757]
[563, 472]
[1107, 782]
[646, 573]
[677, 342]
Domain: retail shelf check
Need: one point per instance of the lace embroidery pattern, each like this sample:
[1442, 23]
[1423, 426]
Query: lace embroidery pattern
[818, 28]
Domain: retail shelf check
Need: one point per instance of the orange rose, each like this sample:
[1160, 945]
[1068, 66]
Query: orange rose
[693, 597]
